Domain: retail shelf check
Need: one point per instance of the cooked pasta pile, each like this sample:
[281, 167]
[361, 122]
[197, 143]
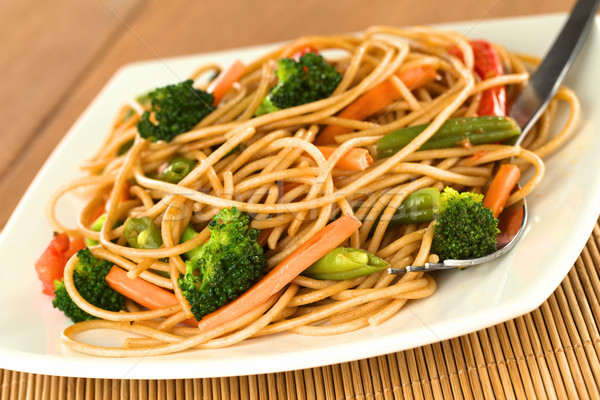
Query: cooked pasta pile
[269, 166]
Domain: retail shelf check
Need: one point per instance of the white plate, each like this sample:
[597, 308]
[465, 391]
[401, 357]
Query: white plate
[562, 213]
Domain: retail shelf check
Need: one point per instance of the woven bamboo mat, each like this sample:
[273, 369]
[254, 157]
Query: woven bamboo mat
[552, 352]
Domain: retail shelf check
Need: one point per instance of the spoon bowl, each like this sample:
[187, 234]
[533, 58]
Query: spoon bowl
[509, 235]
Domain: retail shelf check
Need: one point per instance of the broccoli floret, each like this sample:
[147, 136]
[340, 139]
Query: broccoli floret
[465, 228]
[176, 109]
[299, 82]
[220, 270]
[89, 279]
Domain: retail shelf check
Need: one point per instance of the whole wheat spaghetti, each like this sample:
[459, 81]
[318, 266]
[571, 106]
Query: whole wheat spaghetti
[270, 166]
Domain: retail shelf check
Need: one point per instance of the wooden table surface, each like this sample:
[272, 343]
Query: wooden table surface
[55, 56]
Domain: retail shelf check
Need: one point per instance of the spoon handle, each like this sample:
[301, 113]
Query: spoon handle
[546, 80]
[420, 268]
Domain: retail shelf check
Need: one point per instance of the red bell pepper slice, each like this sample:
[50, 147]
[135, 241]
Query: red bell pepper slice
[50, 265]
[487, 64]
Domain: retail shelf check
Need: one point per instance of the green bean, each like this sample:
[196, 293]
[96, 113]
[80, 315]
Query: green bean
[125, 147]
[142, 233]
[177, 169]
[344, 263]
[476, 130]
[417, 207]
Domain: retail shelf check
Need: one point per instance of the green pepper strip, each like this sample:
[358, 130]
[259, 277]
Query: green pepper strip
[177, 169]
[344, 263]
[142, 233]
[477, 130]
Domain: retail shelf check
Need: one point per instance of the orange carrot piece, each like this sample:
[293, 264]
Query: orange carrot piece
[139, 290]
[125, 194]
[101, 208]
[356, 159]
[368, 104]
[98, 211]
[503, 183]
[224, 82]
[376, 99]
[142, 292]
[316, 247]
[416, 77]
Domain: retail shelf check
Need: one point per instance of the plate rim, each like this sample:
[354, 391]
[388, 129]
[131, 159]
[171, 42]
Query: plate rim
[47, 364]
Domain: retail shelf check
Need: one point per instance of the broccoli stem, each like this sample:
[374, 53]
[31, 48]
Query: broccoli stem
[476, 130]
[345, 263]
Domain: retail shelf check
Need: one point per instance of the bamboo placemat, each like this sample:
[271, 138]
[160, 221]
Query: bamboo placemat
[552, 352]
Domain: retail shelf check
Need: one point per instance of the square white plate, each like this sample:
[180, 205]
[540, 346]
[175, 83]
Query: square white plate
[562, 210]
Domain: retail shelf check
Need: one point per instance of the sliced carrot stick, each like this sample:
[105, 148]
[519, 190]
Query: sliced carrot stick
[416, 77]
[142, 292]
[356, 159]
[101, 207]
[503, 183]
[369, 103]
[98, 211]
[139, 290]
[125, 194]
[375, 100]
[316, 247]
[224, 82]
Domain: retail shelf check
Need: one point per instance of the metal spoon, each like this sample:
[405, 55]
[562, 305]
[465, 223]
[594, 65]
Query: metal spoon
[527, 109]
[502, 247]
